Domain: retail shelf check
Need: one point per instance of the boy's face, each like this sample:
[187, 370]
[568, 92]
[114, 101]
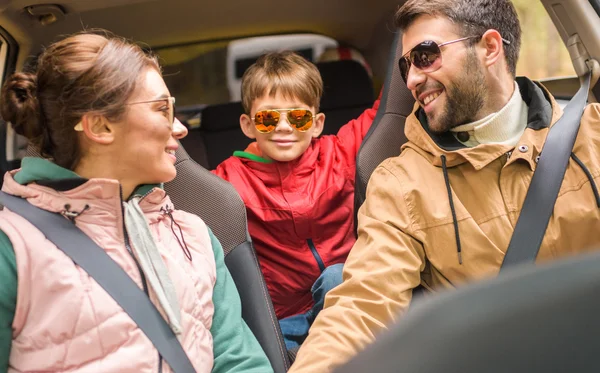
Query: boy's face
[284, 143]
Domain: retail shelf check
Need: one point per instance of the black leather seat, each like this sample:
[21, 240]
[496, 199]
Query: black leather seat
[218, 136]
[198, 191]
[347, 92]
[386, 135]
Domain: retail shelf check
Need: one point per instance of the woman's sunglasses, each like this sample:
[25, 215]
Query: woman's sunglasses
[170, 109]
[266, 120]
[427, 56]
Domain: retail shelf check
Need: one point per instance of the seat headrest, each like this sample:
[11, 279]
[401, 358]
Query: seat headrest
[346, 83]
[386, 135]
[221, 117]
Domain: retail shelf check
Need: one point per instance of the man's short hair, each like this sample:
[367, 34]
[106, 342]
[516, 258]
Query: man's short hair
[286, 73]
[473, 17]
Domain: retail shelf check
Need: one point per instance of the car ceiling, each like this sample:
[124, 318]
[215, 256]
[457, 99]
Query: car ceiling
[167, 22]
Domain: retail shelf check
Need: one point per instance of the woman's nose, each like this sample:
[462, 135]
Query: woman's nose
[179, 130]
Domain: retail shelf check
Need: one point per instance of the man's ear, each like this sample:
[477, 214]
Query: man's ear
[98, 129]
[247, 126]
[318, 125]
[492, 42]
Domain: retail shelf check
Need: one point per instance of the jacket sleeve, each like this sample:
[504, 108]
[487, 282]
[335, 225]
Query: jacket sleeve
[220, 171]
[383, 267]
[351, 135]
[235, 348]
[8, 298]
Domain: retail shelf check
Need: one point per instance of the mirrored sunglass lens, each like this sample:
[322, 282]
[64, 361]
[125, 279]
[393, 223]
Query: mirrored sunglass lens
[424, 55]
[301, 119]
[404, 66]
[266, 120]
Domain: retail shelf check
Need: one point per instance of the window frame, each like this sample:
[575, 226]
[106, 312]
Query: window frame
[9, 50]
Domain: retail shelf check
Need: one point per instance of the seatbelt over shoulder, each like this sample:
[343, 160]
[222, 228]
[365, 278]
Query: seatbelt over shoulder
[546, 182]
[109, 275]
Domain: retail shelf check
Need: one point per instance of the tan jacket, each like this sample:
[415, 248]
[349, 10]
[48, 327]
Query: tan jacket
[407, 231]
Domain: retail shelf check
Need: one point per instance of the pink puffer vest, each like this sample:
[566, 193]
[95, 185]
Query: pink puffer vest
[66, 322]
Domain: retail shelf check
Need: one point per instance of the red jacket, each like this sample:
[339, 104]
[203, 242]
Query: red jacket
[300, 213]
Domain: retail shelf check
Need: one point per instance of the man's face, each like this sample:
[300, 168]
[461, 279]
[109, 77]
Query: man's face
[455, 93]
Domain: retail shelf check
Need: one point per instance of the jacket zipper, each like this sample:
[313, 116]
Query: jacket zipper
[313, 250]
[128, 246]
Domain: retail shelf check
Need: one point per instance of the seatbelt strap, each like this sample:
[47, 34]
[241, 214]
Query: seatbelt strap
[546, 181]
[109, 275]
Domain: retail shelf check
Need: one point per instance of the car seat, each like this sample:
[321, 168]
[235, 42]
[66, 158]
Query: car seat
[386, 135]
[198, 191]
[530, 319]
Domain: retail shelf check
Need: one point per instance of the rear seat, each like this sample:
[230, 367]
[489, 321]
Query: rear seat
[218, 136]
[348, 91]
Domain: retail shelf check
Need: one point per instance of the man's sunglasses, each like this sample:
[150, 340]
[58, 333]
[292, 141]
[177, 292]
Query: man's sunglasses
[427, 56]
[266, 120]
[170, 109]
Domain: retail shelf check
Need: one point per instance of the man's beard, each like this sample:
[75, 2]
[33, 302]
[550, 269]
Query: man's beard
[464, 98]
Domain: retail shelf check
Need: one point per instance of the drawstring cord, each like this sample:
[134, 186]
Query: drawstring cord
[450, 199]
[590, 178]
[72, 215]
[186, 251]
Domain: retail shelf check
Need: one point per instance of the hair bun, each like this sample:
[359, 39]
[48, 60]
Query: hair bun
[19, 105]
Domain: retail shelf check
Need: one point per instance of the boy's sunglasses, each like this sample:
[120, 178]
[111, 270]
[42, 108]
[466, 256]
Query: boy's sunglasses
[266, 120]
[169, 101]
[427, 56]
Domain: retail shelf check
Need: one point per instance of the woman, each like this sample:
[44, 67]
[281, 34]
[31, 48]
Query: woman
[97, 106]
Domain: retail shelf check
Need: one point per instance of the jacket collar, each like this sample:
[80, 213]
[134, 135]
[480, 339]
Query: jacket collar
[305, 164]
[543, 112]
[51, 187]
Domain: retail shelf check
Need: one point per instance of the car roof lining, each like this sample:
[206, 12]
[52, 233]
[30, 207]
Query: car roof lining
[182, 21]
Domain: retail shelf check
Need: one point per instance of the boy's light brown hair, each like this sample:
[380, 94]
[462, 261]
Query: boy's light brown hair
[286, 73]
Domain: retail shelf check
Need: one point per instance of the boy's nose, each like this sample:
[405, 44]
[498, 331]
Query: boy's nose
[284, 125]
[179, 130]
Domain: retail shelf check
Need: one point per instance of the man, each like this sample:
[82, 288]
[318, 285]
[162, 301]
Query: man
[443, 212]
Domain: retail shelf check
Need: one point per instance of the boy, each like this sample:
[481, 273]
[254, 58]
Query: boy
[298, 188]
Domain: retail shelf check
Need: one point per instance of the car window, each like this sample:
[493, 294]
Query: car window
[9, 146]
[543, 54]
[209, 73]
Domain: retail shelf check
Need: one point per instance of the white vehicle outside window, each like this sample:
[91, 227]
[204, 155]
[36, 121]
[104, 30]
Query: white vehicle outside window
[242, 53]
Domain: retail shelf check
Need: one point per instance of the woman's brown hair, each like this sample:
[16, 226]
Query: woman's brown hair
[83, 73]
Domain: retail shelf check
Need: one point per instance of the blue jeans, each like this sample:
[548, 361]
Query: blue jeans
[295, 328]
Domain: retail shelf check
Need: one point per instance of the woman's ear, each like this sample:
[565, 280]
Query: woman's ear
[318, 124]
[247, 126]
[98, 129]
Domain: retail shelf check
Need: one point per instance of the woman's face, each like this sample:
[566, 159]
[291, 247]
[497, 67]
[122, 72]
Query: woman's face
[145, 138]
